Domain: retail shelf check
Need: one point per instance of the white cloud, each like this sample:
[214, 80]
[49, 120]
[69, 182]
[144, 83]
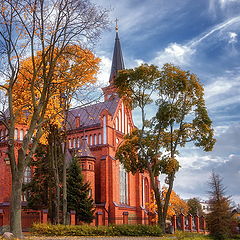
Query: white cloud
[223, 3]
[220, 86]
[225, 90]
[216, 5]
[216, 28]
[180, 54]
[232, 37]
[193, 182]
[104, 72]
[174, 53]
[139, 62]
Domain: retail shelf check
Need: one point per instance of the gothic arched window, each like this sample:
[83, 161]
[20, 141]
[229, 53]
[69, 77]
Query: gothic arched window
[123, 182]
[145, 191]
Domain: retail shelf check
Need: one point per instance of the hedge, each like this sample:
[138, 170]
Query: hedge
[87, 230]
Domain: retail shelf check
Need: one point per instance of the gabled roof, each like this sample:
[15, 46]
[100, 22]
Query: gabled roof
[117, 59]
[90, 115]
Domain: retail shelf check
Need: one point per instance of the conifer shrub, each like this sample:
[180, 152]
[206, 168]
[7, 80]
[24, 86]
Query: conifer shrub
[87, 230]
[220, 218]
[78, 197]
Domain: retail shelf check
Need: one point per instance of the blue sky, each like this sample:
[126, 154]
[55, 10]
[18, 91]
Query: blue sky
[202, 36]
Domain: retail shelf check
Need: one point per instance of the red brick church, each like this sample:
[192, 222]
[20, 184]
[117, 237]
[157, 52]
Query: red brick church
[94, 133]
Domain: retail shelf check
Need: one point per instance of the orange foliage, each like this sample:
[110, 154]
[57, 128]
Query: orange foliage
[176, 205]
[74, 68]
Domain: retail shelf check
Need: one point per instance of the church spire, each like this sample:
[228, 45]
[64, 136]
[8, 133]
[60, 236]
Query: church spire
[117, 60]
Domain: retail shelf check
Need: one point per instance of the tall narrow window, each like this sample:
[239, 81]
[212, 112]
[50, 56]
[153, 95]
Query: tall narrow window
[146, 188]
[74, 143]
[27, 175]
[21, 134]
[16, 134]
[143, 192]
[120, 120]
[6, 134]
[95, 139]
[123, 117]
[91, 142]
[69, 143]
[123, 185]
[86, 137]
[104, 130]
[99, 138]
[117, 123]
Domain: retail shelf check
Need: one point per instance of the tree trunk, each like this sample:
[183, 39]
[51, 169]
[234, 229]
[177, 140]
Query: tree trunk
[15, 212]
[168, 195]
[64, 185]
[161, 220]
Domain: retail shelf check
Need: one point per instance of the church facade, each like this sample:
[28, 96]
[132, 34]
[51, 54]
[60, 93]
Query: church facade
[94, 133]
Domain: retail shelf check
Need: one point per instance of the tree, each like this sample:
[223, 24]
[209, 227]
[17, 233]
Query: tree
[220, 218]
[195, 208]
[180, 117]
[176, 205]
[42, 32]
[78, 194]
[44, 190]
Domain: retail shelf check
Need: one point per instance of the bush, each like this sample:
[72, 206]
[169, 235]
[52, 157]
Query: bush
[87, 230]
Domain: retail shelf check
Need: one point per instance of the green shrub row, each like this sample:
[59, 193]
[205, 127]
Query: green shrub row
[86, 230]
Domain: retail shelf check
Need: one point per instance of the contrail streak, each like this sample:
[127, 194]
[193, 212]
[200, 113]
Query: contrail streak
[218, 27]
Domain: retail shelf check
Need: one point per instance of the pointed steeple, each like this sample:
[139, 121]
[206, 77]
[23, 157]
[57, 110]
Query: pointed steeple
[83, 151]
[117, 60]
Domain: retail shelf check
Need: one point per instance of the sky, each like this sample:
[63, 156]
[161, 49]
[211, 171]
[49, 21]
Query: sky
[202, 36]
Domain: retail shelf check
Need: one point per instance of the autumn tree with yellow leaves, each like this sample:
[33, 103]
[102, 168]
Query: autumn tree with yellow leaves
[180, 117]
[39, 63]
[176, 205]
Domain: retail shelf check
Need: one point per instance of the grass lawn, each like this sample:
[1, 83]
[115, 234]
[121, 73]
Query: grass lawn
[194, 236]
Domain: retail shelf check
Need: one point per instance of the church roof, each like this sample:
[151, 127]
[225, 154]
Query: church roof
[83, 150]
[117, 59]
[89, 115]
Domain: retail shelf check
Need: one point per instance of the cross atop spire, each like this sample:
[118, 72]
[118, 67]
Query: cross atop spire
[116, 25]
[117, 60]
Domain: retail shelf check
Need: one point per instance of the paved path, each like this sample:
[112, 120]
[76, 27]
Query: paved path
[99, 238]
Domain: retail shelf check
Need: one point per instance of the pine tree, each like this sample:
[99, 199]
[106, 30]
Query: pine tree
[219, 220]
[44, 190]
[78, 196]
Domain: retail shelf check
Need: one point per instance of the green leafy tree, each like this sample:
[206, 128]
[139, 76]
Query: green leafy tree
[195, 208]
[78, 194]
[180, 117]
[220, 218]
